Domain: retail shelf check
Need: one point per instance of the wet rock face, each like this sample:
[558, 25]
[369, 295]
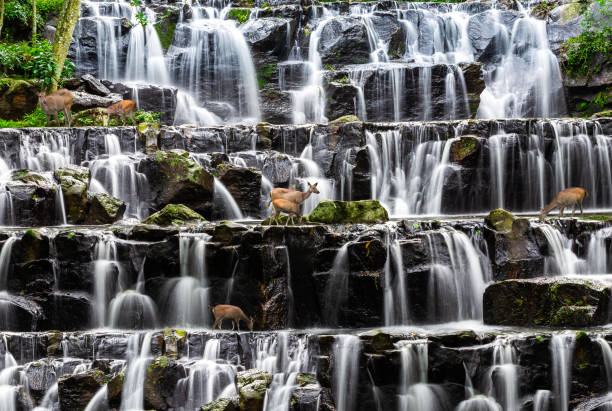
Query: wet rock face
[17, 98]
[75, 391]
[34, 198]
[344, 41]
[160, 380]
[545, 301]
[244, 184]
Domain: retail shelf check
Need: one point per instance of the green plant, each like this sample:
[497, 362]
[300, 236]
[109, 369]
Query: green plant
[329, 67]
[595, 40]
[35, 119]
[146, 117]
[345, 80]
[140, 16]
[241, 15]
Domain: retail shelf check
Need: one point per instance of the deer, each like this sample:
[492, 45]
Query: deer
[281, 205]
[295, 196]
[51, 104]
[231, 312]
[568, 197]
[121, 109]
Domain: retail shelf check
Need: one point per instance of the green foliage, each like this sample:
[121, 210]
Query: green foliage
[140, 16]
[264, 74]
[33, 60]
[147, 117]
[241, 15]
[596, 39]
[542, 9]
[329, 67]
[35, 119]
[18, 16]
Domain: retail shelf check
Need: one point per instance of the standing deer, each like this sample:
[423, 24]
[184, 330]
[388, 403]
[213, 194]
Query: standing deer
[297, 197]
[59, 100]
[231, 312]
[568, 197]
[287, 206]
[121, 109]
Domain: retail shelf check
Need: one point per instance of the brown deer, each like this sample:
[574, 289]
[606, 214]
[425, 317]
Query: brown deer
[121, 109]
[568, 197]
[59, 100]
[281, 205]
[297, 197]
[231, 312]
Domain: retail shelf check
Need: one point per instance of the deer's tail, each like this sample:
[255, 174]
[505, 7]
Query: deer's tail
[268, 203]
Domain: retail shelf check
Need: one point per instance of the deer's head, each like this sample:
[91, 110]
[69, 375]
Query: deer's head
[313, 188]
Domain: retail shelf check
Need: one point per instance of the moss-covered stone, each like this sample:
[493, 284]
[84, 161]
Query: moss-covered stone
[149, 133]
[252, 385]
[91, 117]
[174, 341]
[500, 220]
[17, 98]
[345, 119]
[340, 212]
[174, 214]
[105, 209]
[465, 149]
[601, 114]
[223, 404]
[558, 302]
[34, 245]
[165, 33]
[182, 178]
[114, 389]
[74, 181]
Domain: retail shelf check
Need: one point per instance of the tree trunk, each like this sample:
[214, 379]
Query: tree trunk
[34, 19]
[68, 18]
[1, 15]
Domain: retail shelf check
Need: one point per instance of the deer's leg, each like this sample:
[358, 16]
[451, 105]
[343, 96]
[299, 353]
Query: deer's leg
[288, 218]
[233, 325]
[574, 209]
[561, 211]
[132, 117]
[68, 117]
[123, 118]
[215, 324]
[48, 118]
[580, 207]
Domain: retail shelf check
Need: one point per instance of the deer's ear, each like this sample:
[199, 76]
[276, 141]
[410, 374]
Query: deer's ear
[315, 184]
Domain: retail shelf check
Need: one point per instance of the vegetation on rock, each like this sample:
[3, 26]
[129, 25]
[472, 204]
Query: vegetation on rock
[356, 212]
[174, 214]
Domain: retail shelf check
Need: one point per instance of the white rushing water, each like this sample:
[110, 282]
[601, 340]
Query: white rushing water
[561, 351]
[347, 349]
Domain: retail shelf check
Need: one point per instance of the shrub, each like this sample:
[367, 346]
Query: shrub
[34, 119]
[596, 40]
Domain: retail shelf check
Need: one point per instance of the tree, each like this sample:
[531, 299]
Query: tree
[68, 18]
[34, 19]
[1, 14]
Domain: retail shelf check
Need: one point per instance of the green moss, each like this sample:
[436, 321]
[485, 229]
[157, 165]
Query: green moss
[539, 338]
[340, 212]
[174, 214]
[599, 217]
[159, 362]
[165, 33]
[345, 119]
[240, 15]
[265, 73]
[581, 335]
[500, 220]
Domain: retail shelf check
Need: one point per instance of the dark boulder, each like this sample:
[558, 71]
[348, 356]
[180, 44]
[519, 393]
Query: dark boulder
[244, 184]
[74, 181]
[160, 382]
[33, 197]
[76, 390]
[344, 40]
[17, 98]
[563, 302]
[21, 314]
[173, 214]
[104, 209]
[277, 169]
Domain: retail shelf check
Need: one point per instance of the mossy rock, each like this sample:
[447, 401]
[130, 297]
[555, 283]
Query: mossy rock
[355, 212]
[74, 171]
[345, 119]
[174, 214]
[104, 209]
[91, 117]
[601, 114]
[222, 404]
[252, 385]
[114, 389]
[17, 98]
[174, 341]
[182, 178]
[34, 245]
[500, 220]
[74, 181]
[464, 149]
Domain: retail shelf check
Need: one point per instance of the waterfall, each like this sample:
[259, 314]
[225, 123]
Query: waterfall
[503, 376]
[285, 362]
[209, 378]
[214, 63]
[541, 400]
[606, 353]
[48, 154]
[395, 298]
[116, 175]
[562, 260]
[99, 402]
[597, 251]
[479, 404]
[527, 81]
[105, 268]
[132, 395]
[230, 206]
[347, 349]
[561, 351]
[459, 274]
[336, 287]
[186, 298]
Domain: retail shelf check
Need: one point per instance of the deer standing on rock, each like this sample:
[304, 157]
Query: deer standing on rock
[231, 312]
[51, 104]
[568, 197]
[121, 109]
[289, 201]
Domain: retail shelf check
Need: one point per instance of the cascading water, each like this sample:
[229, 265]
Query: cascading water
[347, 349]
[395, 298]
[504, 379]
[132, 397]
[561, 351]
[117, 175]
[459, 274]
[186, 298]
[336, 288]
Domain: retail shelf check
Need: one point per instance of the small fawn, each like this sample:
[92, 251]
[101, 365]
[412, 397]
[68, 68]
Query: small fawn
[286, 206]
[121, 109]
